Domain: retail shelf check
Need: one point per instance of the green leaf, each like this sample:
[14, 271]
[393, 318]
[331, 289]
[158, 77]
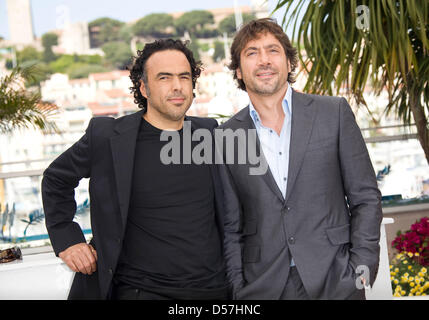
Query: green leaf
[20, 108]
[390, 57]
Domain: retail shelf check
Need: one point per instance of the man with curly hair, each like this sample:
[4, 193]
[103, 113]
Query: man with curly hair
[156, 228]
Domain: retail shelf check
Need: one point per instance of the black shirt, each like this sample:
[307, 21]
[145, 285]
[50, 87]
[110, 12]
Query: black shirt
[171, 239]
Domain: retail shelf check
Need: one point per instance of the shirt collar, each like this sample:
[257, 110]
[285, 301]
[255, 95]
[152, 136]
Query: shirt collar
[287, 106]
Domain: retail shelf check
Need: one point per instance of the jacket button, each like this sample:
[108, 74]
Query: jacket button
[291, 240]
[111, 271]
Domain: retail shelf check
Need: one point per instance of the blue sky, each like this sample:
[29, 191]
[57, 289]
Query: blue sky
[45, 14]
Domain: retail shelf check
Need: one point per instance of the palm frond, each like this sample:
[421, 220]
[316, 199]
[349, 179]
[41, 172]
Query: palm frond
[21, 108]
[391, 55]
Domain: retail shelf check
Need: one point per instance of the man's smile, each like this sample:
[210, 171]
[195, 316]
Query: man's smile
[265, 74]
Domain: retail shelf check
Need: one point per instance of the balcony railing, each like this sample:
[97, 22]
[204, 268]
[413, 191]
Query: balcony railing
[42, 276]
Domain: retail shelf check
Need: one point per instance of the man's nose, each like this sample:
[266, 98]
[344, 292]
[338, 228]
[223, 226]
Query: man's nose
[264, 58]
[177, 84]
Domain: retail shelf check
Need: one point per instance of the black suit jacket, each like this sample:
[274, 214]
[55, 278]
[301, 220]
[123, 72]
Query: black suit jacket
[105, 154]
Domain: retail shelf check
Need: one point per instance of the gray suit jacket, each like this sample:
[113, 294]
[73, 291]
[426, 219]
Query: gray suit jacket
[329, 220]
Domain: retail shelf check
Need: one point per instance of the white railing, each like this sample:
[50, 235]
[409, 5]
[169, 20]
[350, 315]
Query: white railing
[382, 288]
[40, 276]
[43, 276]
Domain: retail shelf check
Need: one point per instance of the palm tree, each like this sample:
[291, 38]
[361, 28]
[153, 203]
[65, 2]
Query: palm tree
[20, 108]
[381, 43]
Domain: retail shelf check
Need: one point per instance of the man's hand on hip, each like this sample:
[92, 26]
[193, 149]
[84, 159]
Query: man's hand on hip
[80, 257]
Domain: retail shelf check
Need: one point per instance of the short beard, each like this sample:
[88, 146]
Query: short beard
[263, 90]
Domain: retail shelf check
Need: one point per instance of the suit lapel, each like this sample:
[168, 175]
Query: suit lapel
[303, 115]
[247, 123]
[123, 149]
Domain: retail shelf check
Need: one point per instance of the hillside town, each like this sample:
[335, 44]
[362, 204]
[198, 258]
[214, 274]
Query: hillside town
[82, 70]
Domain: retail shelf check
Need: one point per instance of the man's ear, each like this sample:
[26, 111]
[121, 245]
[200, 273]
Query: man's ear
[143, 89]
[239, 75]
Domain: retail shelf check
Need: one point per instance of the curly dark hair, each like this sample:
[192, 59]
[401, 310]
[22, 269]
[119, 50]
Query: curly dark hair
[251, 31]
[138, 72]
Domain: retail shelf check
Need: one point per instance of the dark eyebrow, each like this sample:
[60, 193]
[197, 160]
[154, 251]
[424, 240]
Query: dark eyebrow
[273, 45]
[185, 73]
[160, 74]
[250, 48]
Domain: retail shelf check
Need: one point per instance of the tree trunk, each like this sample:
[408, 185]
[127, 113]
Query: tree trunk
[420, 120]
